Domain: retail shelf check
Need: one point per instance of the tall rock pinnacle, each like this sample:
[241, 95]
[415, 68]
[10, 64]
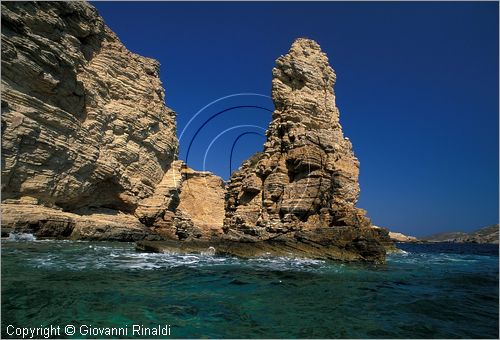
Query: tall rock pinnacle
[306, 178]
[303, 86]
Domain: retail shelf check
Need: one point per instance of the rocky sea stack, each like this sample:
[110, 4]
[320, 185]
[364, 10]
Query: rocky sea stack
[304, 186]
[89, 151]
[298, 197]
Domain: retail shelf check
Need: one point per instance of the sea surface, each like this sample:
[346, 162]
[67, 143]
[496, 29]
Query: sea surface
[425, 291]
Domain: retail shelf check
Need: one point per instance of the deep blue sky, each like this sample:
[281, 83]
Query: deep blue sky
[417, 88]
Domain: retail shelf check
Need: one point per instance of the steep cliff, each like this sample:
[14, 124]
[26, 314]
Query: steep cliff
[305, 182]
[84, 123]
[88, 144]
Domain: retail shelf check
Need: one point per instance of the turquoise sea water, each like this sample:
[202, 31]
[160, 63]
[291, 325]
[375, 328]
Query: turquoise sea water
[428, 291]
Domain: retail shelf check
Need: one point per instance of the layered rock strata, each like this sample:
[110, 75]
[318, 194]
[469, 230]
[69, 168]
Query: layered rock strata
[304, 186]
[186, 205]
[488, 235]
[84, 121]
[87, 141]
[298, 197]
[27, 216]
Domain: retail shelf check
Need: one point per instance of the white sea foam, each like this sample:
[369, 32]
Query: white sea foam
[21, 237]
[286, 263]
[78, 256]
[82, 255]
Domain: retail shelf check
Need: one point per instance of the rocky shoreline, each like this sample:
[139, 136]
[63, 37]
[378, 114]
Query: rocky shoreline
[89, 151]
[326, 244]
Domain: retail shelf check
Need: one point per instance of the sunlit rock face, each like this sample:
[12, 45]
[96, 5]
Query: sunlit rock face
[89, 149]
[185, 205]
[86, 135]
[84, 122]
[306, 178]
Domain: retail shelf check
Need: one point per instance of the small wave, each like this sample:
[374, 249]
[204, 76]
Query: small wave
[282, 263]
[445, 257]
[436, 259]
[399, 252]
[21, 237]
[399, 255]
[210, 251]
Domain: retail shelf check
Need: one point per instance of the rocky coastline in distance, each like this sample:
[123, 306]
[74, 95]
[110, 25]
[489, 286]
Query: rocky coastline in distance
[485, 235]
[89, 151]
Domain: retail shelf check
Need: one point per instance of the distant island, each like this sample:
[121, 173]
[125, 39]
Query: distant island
[487, 235]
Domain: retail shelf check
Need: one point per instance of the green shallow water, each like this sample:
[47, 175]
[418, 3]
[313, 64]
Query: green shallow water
[430, 291]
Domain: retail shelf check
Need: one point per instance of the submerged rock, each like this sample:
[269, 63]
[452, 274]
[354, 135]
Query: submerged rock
[325, 243]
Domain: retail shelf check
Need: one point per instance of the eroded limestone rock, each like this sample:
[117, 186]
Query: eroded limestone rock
[187, 204]
[304, 185]
[86, 135]
[98, 224]
[84, 121]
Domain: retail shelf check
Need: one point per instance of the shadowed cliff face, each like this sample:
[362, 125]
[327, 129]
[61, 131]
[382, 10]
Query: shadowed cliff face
[307, 176]
[84, 123]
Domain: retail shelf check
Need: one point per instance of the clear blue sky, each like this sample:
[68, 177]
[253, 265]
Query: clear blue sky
[417, 88]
